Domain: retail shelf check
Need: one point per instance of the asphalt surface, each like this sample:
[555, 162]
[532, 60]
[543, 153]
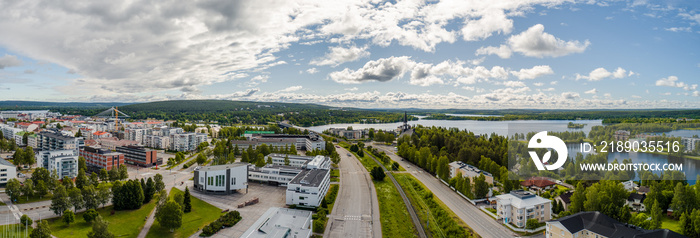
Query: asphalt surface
[356, 211]
[482, 224]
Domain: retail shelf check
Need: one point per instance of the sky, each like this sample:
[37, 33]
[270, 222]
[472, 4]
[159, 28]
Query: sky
[465, 54]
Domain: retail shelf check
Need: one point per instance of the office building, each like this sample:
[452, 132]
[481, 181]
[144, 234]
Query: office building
[518, 206]
[98, 158]
[273, 174]
[64, 162]
[598, 225]
[308, 188]
[7, 171]
[221, 179]
[281, 222]
[302, 142]
[139, 155]
[276, 143]
[320, 161]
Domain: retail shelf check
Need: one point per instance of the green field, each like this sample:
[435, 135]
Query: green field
[335, 175]
[443, 222]
[23, 199]
[202, 214]
[396, 222]
[126, 223]
[14, 230]
[668, 223]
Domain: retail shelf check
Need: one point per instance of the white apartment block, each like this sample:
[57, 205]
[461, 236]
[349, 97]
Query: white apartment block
[64, 162]
[187, 141]
[7, 171]
[518, 206]
[300, 161]
[136, 134]
[8, 131]
[158, 142]
[308, 188]
[690, 143]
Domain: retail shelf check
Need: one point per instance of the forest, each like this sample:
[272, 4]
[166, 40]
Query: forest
[608, 116]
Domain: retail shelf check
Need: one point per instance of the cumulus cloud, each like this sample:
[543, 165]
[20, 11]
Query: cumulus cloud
[672, 81]
[312, 71]
[339, 55]
[382, 70]
[678, 29]
[602, 73]
[534, 72]
[570, 95]
[9, 61]
[592, 91]
[258, 80]
[291, 89]
[534, 42]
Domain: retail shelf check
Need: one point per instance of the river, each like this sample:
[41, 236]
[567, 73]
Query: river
[691, 167]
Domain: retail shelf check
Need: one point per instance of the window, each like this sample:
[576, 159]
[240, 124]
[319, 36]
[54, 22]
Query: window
[234, 180]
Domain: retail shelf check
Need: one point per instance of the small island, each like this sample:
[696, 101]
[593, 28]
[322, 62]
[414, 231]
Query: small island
[575, 126]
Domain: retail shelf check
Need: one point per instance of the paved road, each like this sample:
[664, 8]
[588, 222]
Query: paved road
[356, 211]
[481, 223]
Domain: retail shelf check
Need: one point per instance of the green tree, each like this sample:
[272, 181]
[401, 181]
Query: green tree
[684, 199]
[81, 180]
[286, 160]
[377, 173]
[67, 183]
[78, 134]
[28, 188]
[578, 199]
[60, 201]
[123, 173]
[100, 229]
[686, 224]
[42, 230]
[656, 215]
[481, 188]
[158, 179]
[187, 200]
[26, 220]
[81, 163]
[104, 193]
[113, 174]
[18, 157]
[90, 197]
[104, 176]
[201, 159]
[29, 156]
[90, 215]
[76, 198]
[532, 224]
[94, 179]
[68, 217]
[13, 189]
[148, 191]
[170, 215]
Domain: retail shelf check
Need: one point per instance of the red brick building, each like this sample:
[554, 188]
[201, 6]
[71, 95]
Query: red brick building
[97, 158]
[139, 155]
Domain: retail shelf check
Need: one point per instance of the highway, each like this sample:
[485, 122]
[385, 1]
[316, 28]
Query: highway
[356, 211]
[481, 223]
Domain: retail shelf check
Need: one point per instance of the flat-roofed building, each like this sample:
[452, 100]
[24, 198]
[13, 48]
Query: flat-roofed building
[64, 162]
[598, 225]
[7, 171]
[273, 174]
[281, 222]
[318, 161]
[466, 170]
[308, 188]
[222, 179]
[56, 141]
[98, 158]
[277, 143]
[518, 206]
[139, 155]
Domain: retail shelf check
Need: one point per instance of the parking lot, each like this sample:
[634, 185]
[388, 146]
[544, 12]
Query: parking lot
[269, 196]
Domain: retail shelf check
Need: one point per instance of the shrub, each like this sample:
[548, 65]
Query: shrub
[227, 220]
[90, 215]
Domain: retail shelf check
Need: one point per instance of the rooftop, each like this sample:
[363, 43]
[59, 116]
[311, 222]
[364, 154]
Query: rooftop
[521, 199]
[6, 163]
[281, 222]
[603, 225]
[538, 182]
[221, 167]
[311, 178]
[99, 151]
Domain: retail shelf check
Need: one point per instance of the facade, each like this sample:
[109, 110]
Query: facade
[277, 143]
[518, 206]
[19, 138]
[308, 188]
[273, 174]
[64, 162]
[281, 222]
[56, 141]
[32, 140]
[9, 132]
[690, 144]
[303, 142]
[137, 134]
[299, 160]
[139, 155]
[7, 171]
[565, 199]
[459, 167]
[97, 159]
[158, 142]
[221, 179]
[636, 202]
[348, 134]
[187, 141]
[598, 225]
[621, 135]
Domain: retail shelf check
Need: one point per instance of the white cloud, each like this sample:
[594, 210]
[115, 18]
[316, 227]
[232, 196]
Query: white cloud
[291, 89]
[636, 96]
[258, 80]
[502, 51]
[538, 84]
[534, 72]
[570, 95]
[514, 84]
[602, 73]
[382, 70]
[312, 71]
[493, 21]
[534, 42]
[351, 89]
[9, 61]
[592, 91]
[678, 29]
[672, 81]
[607, 95]
[339, 55]
[554, 82]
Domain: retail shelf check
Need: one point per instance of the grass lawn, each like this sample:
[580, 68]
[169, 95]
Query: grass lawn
[335, 175]
[333, 187]
[23, 199]
[14, 230]
[396, 222]
[668, 223]
[439, 226]
[127, 223]
[202, 214]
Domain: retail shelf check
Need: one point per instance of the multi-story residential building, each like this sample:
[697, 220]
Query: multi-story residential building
[7, 171]
[98, 158]
[64, 162]
[318, 161]
[459, 167]
[276, 143]
[281, 222]
[222, 179]
[518, 206]
[139, 155]
[308, 188]
[158, 142]
[32, 140]
[136, 134]
[9, 132]
[55, 141]
[689, 143]
[348, 134]
[598, 225]
[100, 134]
[19, 138]
[187, 141]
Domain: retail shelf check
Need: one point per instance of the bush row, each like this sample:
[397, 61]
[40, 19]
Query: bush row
[227, 220]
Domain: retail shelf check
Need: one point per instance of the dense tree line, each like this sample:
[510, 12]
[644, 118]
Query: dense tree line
[608, 116]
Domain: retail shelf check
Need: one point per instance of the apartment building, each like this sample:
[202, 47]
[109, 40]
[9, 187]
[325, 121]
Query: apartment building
[56, 141]
[308, 188]
[64, 162]
[98, 158]
[459, 167]
[221, 179]
[187, 141]
[7, 171]
[518, 206]
[139, 155]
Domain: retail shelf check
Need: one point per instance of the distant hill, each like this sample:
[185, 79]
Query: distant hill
[30, 105]
[213, 106]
